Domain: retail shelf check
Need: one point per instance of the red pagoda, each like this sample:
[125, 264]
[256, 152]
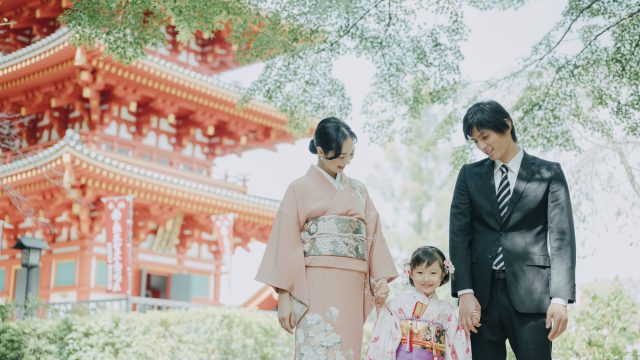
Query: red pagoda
[78, 128]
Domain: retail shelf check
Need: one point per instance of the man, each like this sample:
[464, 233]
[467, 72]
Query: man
[512, 241]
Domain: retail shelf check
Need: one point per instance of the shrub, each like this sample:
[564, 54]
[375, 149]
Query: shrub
[191, 334]
[605, 326]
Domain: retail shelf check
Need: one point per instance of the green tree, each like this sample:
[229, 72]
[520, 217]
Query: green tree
[582, 84]
[581, 81]
[414, 45]
[583, 77]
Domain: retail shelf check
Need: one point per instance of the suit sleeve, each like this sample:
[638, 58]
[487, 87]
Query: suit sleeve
[562, 240]
[460, 228]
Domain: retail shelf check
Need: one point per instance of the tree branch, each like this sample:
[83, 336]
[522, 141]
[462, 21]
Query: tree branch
[633, 52]
[553, 48]
[566, 31]
[615, 146]
[386, 28]
[624, 18]
[575, 58]
[627, 168]
[348, 30]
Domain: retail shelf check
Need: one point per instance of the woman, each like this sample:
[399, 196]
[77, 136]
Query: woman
[326, 255]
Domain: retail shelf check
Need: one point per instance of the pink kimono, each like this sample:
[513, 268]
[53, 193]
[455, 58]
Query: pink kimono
[414, 327]
[326, 245]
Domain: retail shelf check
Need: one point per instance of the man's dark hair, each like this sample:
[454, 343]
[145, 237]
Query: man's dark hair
[488, 115]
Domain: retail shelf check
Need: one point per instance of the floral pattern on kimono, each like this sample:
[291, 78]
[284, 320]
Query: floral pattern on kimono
[438, 327]
[316, 339]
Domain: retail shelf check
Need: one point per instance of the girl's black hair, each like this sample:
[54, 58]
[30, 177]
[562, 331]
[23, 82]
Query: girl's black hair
[427, 255]
[329, 135]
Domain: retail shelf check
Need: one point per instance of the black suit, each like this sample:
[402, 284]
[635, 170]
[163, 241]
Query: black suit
[538, 242]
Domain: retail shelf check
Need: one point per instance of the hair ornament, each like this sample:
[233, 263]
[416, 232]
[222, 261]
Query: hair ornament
[449, 268]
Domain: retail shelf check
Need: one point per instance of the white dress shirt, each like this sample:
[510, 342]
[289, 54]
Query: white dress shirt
[514, 167]
[512, 174]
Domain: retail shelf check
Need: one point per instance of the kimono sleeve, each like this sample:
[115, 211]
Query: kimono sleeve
[380, 261]
[282, 265]
[385, 337]
[458, 344]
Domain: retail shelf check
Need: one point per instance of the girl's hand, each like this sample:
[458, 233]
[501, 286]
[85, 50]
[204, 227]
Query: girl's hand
[475, 315]
[286, 315]
[380, 291]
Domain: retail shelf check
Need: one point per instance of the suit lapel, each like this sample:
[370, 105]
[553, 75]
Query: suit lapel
[524, 174]
[488, 178]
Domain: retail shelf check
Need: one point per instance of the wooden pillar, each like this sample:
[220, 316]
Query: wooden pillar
[85, 257]
[46, 270]
[216, 280]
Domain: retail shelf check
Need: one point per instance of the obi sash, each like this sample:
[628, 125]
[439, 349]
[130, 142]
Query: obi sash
[335, 235]
[423, 335]
[427, 335]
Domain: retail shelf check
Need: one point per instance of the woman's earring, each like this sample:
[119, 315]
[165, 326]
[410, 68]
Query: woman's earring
[321, 157]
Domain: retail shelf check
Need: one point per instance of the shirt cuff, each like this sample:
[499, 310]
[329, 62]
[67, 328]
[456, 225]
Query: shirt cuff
[560, 301]
[465, 291]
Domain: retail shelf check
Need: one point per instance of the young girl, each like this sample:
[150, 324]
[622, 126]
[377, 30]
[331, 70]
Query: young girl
[416, 325]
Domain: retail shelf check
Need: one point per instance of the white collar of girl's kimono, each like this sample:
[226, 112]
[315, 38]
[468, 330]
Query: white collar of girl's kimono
[424, 298]
[337, 182]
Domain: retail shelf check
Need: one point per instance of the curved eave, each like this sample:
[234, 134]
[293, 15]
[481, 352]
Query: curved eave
[71, 144]
[45, 53]
[35, 52]
[210, 85]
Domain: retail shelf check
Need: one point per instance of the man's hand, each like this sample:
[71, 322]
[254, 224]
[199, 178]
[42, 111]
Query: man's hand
[469, 312]
[286, 315]
[557, 320]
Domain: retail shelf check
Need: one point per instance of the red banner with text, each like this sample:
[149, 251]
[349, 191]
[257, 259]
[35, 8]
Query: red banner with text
[118, 213]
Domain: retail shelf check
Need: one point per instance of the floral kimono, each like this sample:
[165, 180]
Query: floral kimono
[325, 247]
[412, 326]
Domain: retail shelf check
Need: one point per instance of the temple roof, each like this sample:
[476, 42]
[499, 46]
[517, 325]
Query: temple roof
[72, 143]
[62, 37]
[19, 59]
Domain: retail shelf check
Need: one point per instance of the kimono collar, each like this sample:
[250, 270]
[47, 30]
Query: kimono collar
[422, 297]
[337, 182]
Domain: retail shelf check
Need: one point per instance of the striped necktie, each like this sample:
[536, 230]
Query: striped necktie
[504, 194]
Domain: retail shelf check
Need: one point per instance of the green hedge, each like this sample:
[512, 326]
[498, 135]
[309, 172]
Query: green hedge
[192, 334]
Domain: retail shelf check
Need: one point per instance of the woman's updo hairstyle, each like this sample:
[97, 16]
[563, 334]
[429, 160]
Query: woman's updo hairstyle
[329, 136]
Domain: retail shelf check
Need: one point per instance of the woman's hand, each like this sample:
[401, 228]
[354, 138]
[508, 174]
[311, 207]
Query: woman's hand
[286, 315]
[380, 291]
